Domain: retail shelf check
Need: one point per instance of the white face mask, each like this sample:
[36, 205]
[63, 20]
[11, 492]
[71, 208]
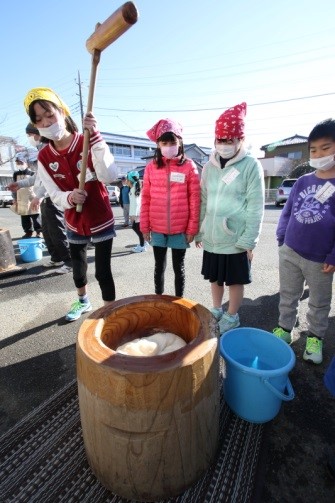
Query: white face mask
[33, 142]
[226, 151]
[323, 163]
[54, 132]
[170, 151]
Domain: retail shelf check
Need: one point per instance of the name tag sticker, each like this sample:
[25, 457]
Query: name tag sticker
[230, 177]
[177, 177]
[325, 192]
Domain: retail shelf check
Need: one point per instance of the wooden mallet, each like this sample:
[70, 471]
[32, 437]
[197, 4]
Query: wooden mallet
[104, 35]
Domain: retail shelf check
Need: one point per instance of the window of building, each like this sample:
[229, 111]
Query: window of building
[294, 155]
[121, 150]
[142, 151]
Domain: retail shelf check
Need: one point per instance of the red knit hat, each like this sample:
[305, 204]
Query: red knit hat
[230, 124]
[164, 126]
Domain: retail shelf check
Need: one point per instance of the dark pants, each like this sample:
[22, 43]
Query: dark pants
[54, 232]
[103, 271]
[31, 223]
[136, 228]
[178, 257]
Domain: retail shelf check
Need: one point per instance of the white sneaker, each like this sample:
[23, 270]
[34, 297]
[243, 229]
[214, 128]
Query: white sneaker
[51, 263]
[139, 249]
[64, 269]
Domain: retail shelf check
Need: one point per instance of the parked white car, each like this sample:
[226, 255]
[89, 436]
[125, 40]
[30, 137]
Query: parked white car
[114, 194]
[283, 191]
[6, 198]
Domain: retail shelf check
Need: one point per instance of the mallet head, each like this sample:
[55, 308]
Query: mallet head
[111, 29]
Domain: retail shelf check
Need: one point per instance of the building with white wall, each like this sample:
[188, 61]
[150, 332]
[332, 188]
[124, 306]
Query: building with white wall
[129, 151]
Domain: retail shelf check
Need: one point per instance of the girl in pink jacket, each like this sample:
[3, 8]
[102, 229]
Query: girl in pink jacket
[170, 202]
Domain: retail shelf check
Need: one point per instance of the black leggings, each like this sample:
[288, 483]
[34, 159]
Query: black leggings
[136, 228]
[103, 271]
[178, 257]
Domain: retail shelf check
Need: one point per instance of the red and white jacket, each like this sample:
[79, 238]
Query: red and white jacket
[170, 198]
[59, 172]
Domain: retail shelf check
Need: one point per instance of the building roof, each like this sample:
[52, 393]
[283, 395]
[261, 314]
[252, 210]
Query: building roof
[292, 140]
[128, 140]
[204, 150]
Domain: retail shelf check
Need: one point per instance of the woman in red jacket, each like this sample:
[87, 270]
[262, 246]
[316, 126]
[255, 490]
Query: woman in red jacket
[170, 202]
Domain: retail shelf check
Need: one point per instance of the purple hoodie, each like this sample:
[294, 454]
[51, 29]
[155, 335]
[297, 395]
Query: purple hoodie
[307, 222]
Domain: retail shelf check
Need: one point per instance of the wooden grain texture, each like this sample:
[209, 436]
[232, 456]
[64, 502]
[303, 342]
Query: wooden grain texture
[7, 255]
[110, 30]
[150, 424]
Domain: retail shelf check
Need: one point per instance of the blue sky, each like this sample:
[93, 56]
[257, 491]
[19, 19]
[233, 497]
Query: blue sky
[188, 60]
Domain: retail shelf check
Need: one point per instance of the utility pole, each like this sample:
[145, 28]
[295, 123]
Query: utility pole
[80, 98]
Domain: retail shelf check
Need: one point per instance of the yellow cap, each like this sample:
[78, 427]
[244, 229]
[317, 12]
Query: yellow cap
[44, 93]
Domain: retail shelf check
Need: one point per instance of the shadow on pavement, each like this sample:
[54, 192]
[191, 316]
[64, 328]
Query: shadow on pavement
[30, 382]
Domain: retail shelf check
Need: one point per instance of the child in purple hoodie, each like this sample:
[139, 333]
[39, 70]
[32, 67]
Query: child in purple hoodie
[306, 238]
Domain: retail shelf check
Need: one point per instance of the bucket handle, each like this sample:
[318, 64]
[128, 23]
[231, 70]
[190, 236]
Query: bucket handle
[279, 394]
[42, 246]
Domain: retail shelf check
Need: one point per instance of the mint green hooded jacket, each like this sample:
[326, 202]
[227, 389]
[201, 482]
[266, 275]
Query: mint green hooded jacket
[232, 204]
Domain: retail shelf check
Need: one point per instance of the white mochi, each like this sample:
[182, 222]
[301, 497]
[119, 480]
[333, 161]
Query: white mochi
[156, 344]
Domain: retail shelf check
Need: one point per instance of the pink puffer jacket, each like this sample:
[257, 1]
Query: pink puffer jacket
[170, 198]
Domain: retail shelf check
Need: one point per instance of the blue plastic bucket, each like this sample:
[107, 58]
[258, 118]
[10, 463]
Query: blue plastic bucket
[257, 367]
[31, 249]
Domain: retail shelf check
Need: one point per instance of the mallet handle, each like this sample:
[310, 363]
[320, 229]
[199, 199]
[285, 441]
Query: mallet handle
[104, 35]
[86, 144]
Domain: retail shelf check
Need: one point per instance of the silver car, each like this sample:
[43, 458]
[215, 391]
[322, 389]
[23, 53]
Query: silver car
[284, 190]
[114, 194]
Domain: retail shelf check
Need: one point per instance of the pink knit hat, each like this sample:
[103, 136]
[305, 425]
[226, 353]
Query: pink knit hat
[164, 126]
[230, 124]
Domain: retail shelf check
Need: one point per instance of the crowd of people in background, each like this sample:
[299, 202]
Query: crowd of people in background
[221, 211]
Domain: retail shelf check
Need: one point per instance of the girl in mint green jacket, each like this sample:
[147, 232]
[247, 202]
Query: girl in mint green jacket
[232, 208]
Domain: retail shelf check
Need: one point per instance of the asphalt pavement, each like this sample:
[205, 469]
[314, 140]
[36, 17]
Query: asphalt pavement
[37, 355]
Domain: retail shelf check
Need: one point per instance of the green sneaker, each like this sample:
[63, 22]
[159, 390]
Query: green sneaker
[77, 309]
[313, 351]
[282, 334]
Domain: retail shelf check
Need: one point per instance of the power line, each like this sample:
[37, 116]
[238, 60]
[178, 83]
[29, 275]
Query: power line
[215, 108]
[230, 66]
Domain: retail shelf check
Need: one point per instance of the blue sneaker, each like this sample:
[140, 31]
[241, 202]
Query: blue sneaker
[228, 321]
[217, 313]
[77, 309]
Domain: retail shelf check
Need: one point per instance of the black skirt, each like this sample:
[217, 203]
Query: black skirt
[226, 269]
